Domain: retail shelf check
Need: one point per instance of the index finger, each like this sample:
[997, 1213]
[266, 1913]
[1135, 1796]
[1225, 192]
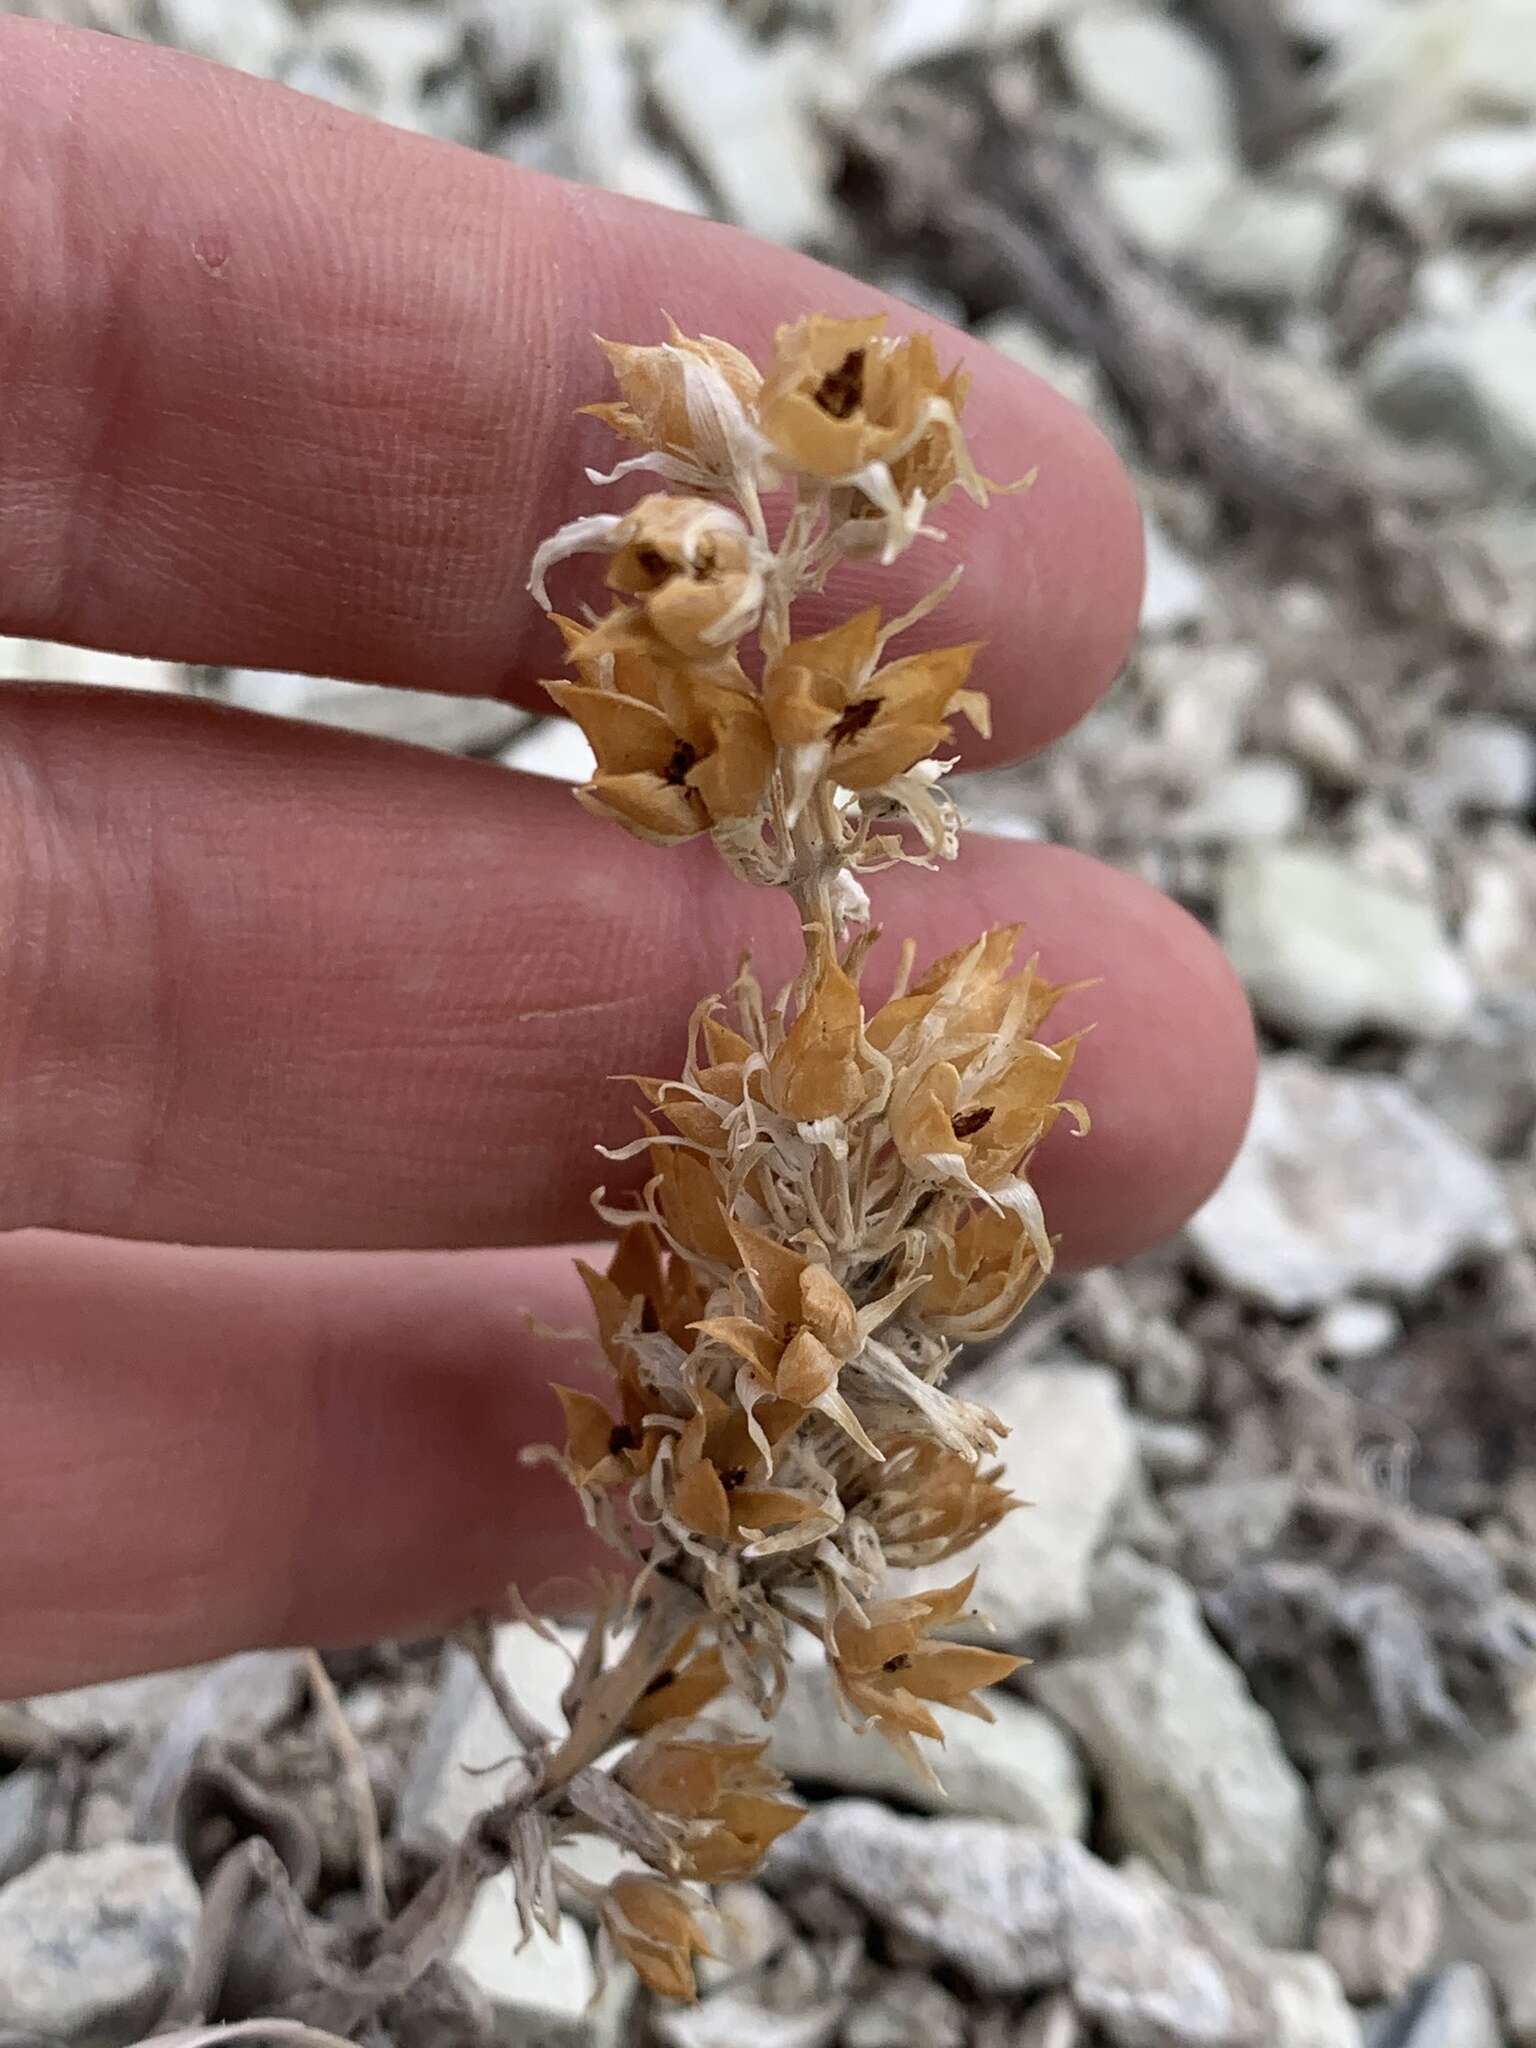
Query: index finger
[284, 388]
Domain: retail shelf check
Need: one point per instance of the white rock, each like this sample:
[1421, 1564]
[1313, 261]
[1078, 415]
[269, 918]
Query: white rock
[1071, 1456]
[540, 1991]
[465, 1752]
[401, 64]
[1269, 243]
[1472, 383]
[92, 1945]
[1172, 1453]
[1457, 2010]
[1052, 2023]
[908, 2010]
[251, 37]
[1412, 69]
[1193, 1774]
[645, 172]
[1152, 77]
[1483, 174]
[248, 1695]
[1484, 764]
[596, 92]
[1323, 949]
[735, 109]
[1356, 1328]
[1018, 1768]
[907, 32]
[1322, 735]
[1260, 797]
[423, 718]
[1162, 204]
[1015, 337]
[556, 747]
[1344, 1182]
[1177, 592]
[1498, 931]
[48, 661]
[1203, 697]
[1309, 2006]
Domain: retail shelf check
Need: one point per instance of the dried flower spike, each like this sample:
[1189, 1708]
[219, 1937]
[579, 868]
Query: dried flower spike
[839, 1193]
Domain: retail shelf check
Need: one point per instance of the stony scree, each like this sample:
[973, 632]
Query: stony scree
[1014, 1911]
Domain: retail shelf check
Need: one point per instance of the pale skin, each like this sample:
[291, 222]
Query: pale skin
[302, 1035]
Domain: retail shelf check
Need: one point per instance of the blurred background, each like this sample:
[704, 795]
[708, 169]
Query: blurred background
[1284, 252]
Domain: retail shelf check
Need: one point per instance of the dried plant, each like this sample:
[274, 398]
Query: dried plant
[838, 1196]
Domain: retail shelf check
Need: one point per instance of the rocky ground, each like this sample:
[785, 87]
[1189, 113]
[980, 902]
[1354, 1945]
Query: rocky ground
[1271, 1780]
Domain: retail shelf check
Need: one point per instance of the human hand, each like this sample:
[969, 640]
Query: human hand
[298, 1031]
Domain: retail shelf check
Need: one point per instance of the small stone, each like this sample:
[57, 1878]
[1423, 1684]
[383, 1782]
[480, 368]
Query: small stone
[1472, 383]
[1173, 1453]
[401, 64]
[1485, 764]
[1308, 2005]
[596, 92]
[1177, 593]
[1344, 1183]
[753, 1929]
[251, 37]
[1357, 1328]
[1484, 174]
[1070, 1455]
[908, 2010]
[1053, 2023]
[1269, 243]
[1261, 797]
[908, 32]
[1457, 2009]
[466, 1748]
[1153, 78]
[748, 130]
[1498, 930]
[1381, 1921]
[1162, 204]
[252, 1692]
[1019, 1767]
[1416, 68]
[422, 718]
[1322, 736]
[556, 747]
[1203, 697]
[1484, 1084]
[92, 1945]
[1193, 1775]
[540, 1991]
[1324, 949]
[1013, 335]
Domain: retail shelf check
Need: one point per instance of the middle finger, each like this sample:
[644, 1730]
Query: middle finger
[277, 986]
